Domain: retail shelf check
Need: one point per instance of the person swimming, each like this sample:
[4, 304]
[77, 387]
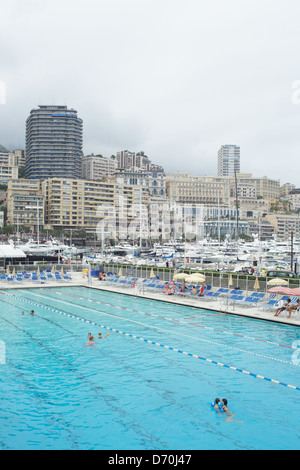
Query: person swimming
[90, 342]
[230, 416]
[30, 313]
[215, 405]
[99, 336]
[224, 406]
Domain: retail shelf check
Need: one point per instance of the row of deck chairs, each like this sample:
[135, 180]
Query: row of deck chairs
[41, 277]
[120, 281]
[260, 300]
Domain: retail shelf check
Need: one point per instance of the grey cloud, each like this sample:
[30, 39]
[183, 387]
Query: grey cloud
[175, 79]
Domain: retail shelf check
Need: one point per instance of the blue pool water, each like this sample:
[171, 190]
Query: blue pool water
[136, 392]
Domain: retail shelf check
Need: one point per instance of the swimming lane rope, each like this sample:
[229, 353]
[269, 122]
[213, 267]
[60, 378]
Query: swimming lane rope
[174, 320]
[161, 329]
[211, 361]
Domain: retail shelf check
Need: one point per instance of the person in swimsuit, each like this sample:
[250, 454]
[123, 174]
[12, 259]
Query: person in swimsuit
[216, 405]
[284, 307]
[90, 342]
[201, 293]
[224, 406]
[295, 306]
[230, 415]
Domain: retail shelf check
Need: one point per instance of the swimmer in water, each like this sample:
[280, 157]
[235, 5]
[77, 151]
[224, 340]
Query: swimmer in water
[226, 410]
[90, 336]
[216, 405]
[31, 313]
[90, 342]
[224, 406]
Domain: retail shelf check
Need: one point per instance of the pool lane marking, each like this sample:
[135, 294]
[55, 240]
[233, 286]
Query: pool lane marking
[211, 361]
[169, 331]
[173, 319]
[107, 398]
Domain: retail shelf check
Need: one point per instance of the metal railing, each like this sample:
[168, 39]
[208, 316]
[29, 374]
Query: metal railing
[215, 279]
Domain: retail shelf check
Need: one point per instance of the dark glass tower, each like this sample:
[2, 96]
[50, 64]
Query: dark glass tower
[53, 143]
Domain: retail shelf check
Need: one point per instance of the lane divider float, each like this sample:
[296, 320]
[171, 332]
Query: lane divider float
[163, 329]
[211, 361]
[174, 319]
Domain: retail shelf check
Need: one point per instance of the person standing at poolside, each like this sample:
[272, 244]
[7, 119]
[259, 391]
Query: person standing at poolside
[201, 293]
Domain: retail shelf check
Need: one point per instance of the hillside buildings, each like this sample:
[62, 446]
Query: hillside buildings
[10, 162]
[213, 190]
[135, 161]
[127, 192]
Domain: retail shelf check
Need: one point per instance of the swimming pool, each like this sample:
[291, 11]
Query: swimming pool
[149, 384]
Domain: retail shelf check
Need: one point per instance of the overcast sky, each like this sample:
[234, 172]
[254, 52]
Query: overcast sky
[176, 79]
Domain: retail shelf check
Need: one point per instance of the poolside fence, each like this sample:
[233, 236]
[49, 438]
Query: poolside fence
[214, 278]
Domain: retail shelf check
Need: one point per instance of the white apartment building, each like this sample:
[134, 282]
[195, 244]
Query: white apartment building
[153, 182]
[285, 189]
[135, 161]
[284, 225]
[294, 198]
[25, 203]
[95, 167]
[184, 188]
[228, 160]
[266, 188]
[80, 204]
[19, 157]
[8, 169]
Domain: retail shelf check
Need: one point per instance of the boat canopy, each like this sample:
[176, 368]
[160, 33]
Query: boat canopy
[8, 251]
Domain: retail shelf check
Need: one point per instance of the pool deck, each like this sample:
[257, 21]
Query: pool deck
[216, 305]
